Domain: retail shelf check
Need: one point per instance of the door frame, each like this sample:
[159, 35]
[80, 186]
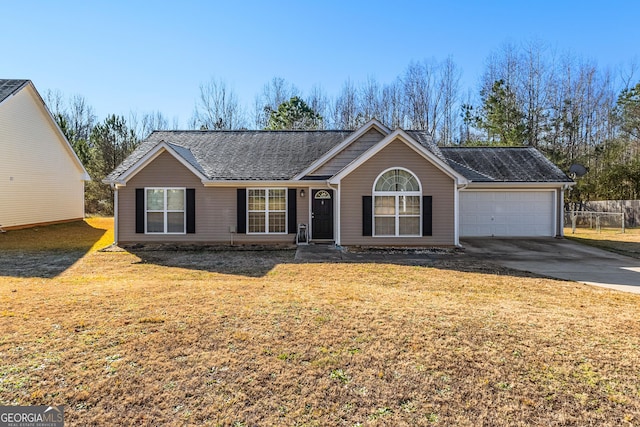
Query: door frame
[312, 192]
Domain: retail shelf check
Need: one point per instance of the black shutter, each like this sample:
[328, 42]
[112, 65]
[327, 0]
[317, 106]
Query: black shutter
[191, 210]
[427, 216]
[367, 219]
[241, 226]
[292, 211]
[139, 210]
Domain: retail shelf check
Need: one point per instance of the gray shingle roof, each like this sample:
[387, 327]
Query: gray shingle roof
[424, 138]
[281, 155]
[8, 87]
[242, 155]
[503, 164]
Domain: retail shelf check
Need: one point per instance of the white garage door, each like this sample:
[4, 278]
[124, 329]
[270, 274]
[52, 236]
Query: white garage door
[507, 213]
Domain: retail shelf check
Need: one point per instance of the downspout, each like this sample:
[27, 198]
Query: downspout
[336, 207]
[115, 213]
[456, 219]
[560, 211]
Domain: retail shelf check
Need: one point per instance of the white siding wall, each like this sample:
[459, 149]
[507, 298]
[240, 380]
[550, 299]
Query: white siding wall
[40, 181]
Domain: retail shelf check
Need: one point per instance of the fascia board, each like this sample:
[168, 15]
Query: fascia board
[404, 137]
[515, 185]
[371, 124]
[259, 183]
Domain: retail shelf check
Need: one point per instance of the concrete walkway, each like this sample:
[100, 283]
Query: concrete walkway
[562, 259]
[318, 253]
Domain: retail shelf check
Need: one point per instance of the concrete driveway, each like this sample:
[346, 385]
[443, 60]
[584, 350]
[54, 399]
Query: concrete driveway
[561, 259]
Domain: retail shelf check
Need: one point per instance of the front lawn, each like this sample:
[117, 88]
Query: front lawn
[627, 243]
[254, 338]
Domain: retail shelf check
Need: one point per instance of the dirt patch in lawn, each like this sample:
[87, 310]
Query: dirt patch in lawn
[237, 262]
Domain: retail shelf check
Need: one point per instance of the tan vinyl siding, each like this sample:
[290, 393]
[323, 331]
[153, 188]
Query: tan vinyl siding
[40, 180]
[215, 207]
[434, 183]
[350, 153]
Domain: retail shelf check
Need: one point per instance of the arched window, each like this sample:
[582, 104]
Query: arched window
[397, 204]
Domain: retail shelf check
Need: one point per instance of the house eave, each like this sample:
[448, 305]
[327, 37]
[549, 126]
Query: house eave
[518, 184]
[260, 183]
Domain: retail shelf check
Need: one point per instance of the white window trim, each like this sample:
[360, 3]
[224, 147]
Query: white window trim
[165, 211]
[396, 215]
[266, 210]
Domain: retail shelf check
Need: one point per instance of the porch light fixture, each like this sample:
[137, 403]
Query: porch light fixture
[302, 193]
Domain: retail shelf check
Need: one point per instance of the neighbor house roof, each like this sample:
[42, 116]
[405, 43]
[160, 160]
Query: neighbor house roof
[281, 155]
[503, 164]
[10, 86]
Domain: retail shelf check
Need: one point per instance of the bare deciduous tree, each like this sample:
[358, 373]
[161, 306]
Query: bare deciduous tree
[319, 102]
[422, 96]
[392, 114]
[370, 100]
[449, 87]
[217, 108]
[273, 94]
[81, 116]
[149, 122]
[345, 113]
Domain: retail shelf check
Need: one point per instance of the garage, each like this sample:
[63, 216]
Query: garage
[507, 213]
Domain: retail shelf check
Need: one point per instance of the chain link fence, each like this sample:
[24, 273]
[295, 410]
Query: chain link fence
[594, 220]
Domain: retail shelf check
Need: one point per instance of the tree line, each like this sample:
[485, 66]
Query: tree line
[566, 106]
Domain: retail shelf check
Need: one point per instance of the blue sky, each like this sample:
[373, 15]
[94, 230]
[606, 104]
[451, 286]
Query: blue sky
[142, 56]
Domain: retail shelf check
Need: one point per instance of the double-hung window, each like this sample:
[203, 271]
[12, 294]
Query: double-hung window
[397, 204]
[267, 210]
[165, 210]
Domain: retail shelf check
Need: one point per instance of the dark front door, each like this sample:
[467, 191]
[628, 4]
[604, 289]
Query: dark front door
[322, 215]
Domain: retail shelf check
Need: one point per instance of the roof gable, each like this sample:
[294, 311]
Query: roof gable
[345, 156]
[420, 149]
[336, 151]
[9, 88]
[132, 165]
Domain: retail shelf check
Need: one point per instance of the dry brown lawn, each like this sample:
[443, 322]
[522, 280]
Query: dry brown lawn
[256, 339]
[627, 243]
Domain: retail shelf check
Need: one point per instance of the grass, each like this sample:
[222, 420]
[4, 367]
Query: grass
[217, 338]
[89, 235]
[627, 243]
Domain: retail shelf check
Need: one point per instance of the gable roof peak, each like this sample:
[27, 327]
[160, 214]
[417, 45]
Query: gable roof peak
[10, 87]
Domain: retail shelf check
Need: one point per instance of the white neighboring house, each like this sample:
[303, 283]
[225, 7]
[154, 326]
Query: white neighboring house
[41, 178]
